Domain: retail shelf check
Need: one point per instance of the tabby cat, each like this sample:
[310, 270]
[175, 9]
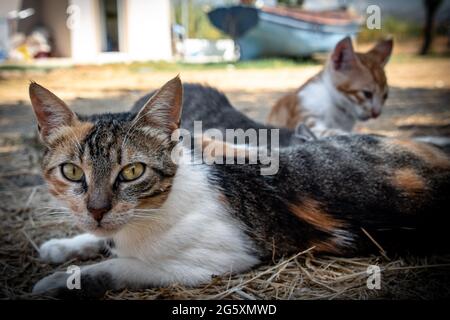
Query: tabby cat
[352, 86]
[184, 222]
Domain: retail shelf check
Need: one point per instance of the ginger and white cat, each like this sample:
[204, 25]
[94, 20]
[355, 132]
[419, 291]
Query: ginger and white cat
[183, 222]
[351, 87]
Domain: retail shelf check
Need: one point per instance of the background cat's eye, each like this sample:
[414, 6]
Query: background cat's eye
[72, 172]
[385, 96]
[367, 94]
[132, 171]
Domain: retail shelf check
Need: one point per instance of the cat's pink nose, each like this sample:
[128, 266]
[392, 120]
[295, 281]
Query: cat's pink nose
[98, 213]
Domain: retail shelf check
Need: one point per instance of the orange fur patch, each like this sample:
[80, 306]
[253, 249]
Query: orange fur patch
[156, 201]
[286, 112]
[427, 153]
[352, 94]
[372, 63]
[223, 199]
[216, 149]
[408, 180]
[309, 210]
[325, 247]
[56, 186]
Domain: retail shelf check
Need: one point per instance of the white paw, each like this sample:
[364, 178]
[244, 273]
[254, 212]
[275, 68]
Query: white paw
[83, 246]
[56, 251]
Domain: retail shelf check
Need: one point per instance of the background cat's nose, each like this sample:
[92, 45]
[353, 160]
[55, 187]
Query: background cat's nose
[375, 113]
[98, 213]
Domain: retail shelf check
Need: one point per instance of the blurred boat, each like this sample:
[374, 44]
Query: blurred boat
[280, 31]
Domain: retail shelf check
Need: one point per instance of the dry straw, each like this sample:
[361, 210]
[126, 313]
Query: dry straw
[29, 218]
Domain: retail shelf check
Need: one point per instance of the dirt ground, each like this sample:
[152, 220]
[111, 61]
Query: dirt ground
[419, 104]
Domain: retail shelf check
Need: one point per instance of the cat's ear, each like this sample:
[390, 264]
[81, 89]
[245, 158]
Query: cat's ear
[51, 112]
[382, 51]
[163, 110]
[343, 56]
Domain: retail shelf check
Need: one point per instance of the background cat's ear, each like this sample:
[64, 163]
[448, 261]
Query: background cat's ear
[163, 110]
[382, 51]
[51, 112]
[343, 56]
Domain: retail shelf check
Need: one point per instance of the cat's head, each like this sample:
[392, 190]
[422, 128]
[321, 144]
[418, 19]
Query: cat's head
[109, 168]
[360, 77]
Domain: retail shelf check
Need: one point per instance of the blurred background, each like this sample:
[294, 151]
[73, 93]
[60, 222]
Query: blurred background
[104, 31]
[102, 55]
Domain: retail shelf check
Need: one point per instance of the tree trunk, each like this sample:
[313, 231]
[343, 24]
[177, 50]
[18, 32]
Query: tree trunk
[431, 7]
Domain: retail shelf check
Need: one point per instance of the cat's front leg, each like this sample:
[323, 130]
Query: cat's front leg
[83, 246]
[121, 273]
[96, 279]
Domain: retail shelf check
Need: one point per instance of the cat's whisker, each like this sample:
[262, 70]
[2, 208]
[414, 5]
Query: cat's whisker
[139, 225]
[52, 211]
[145, 213]
[52, 208]
[146, 217]
[49, 213]
[146, 210]
[54, 218]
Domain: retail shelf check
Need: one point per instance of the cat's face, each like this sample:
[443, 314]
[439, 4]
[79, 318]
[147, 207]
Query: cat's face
[110, 169]
[360, 77]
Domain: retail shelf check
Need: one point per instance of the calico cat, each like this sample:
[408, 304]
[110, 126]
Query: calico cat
[351, 87]
[214, 110]
[184, 222]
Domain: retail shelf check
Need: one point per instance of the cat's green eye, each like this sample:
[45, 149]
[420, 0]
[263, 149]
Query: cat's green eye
[72, 172]
[132, 171]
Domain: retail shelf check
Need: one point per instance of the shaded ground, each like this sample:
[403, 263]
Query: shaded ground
[419, 104]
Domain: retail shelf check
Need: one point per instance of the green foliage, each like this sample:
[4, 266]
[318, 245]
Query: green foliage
[294, 3]
[199, 24]
[400, 29]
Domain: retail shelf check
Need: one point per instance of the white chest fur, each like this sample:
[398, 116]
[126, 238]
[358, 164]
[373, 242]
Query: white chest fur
[329, 108]
[192, 236]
